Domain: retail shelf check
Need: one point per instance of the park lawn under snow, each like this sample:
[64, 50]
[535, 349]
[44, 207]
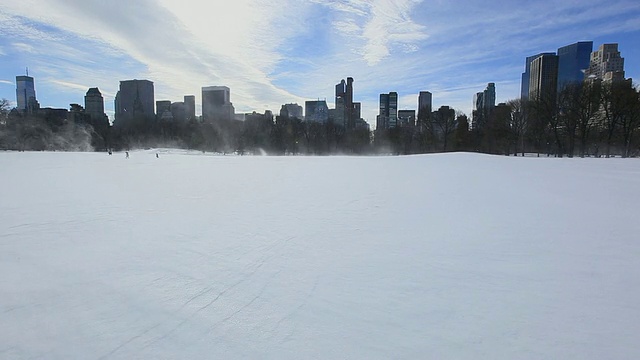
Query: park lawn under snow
[192, 256]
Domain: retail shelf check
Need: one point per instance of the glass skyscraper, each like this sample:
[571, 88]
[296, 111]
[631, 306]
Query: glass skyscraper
[25, 91]
[573, 62]
[543, 80]
[524, 89]
[388, 115]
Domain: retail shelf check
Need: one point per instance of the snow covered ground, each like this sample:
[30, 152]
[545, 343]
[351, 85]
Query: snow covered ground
[189, 256]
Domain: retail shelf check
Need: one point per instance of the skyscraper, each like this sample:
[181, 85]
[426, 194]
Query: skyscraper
[606, 63]
[425, 101]
[216, 104]
[489, 98]
[25, 93]
[478, 111]
[543, 79]
[94, 104]
[134, 100]
[425, 106]
[345, 113]
[573, 63]
[478, 101]
[483, 105]
[524, 88]
[340, 113]
[388, 113]
[190, 107]
[348, 103]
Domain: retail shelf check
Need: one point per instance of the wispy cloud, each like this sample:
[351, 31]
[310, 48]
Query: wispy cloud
[6, 82]
[25, 48]
[389, 25]
[379, 26]
[300, 51]
[181, 46]
[68, 84]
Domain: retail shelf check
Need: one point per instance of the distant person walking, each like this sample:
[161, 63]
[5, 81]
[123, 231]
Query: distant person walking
[127, 153]
[157, 155]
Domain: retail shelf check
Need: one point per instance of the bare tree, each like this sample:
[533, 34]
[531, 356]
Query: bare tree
[630, 117]
[5, 106]
[444, 121]
[543, 122]
[615, 108]
[587, 112]
[519, 123]
[462, 136]
[569, 107]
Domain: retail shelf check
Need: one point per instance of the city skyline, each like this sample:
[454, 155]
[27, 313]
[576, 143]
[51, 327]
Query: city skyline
[386, 46]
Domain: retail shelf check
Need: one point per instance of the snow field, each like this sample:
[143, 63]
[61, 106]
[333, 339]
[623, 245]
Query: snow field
[459, 256]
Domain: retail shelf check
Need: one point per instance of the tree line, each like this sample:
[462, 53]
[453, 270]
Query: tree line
[583, 119]
[593, 118]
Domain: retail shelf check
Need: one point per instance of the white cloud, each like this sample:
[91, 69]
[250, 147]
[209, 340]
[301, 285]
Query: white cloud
[256, 47]
[68, 84]
[6, 82]
[25, 48]
[184, 47]
[381, 25]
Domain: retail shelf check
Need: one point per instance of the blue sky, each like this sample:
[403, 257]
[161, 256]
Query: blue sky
[271, 52]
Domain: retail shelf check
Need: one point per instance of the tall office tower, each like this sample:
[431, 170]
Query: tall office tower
[190, 107]
[26, 93]
[216, 104]
[489, 98]
[345, 113]
[478, 101]
[573, 63]
[340, 113]
[393, 109]
[94, 104]
[316, 111]
[425, 106]
[388, 113]
[483, 105]
[606, 64]
[526, 75]
[477, 114]
[425, 101]
[350, 119]
[134, 100]
[382, 118]
[543, 79]
[291, 111]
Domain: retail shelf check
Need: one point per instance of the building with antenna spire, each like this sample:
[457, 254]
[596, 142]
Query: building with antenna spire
[26, 93]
